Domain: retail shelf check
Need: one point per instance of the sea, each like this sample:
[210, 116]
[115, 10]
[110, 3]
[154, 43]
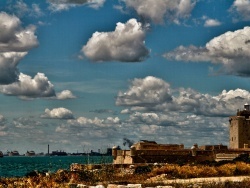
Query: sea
[20, 166]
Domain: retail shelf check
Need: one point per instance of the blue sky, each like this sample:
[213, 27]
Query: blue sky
[82, 75]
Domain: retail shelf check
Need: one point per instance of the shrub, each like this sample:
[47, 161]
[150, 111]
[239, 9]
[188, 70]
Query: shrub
[226, 169]
[142, 169]
[208, 171]
[242, 168]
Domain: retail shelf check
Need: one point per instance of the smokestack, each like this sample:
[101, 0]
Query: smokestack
[128, 142]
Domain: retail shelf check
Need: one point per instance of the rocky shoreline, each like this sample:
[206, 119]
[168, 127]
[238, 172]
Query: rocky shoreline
[235, 175]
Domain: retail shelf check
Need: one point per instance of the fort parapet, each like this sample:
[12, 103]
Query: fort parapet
[151, 152]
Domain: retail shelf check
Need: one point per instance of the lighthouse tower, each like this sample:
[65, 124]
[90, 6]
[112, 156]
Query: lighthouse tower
[239, 129]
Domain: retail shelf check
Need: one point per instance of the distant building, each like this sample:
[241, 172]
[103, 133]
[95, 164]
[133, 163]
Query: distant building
[58, 153]
[30, 153]
[239, 129]
[13, 153]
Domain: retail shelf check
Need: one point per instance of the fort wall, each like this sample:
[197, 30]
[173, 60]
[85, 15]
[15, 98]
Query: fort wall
[239, 132]
[150, 152]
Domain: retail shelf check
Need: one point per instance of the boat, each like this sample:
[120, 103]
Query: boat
[30, 153]
[1, 154]
[14, 153]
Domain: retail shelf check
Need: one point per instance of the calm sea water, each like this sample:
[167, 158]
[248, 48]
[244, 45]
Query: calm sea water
[20, 166]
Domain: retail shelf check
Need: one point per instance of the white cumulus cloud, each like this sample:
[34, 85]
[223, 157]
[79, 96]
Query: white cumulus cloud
[156, 11]
[2, 119]
[242, 9]
[155, 95]
[230, 49]
[96, 122]
[152, 118]
[149, 91]
[60, 5]
[22, 9]
[212, 23]
[27, 87]
[8, 66]
[13, 37]
[66, 94]
[125, 44]
[15, 41]
[58, 113]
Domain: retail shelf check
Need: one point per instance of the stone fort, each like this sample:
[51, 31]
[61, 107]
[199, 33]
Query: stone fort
[239, 129]
[146, 151]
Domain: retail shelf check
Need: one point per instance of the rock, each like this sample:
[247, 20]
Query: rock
[72, 185]
[112, 186]
[81, 185]
[121, 186]
[100, 186]
[131, 166]
[134, 186]
[97, 186]
[32, 173]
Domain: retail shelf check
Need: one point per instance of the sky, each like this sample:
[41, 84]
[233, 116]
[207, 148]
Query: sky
[84, 75]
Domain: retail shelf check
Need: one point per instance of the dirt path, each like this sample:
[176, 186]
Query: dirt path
[207, 180]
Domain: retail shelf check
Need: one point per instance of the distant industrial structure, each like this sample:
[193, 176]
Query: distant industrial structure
[57, 153]
[150, 152]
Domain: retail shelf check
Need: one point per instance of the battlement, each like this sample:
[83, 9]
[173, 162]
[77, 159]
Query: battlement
[152, 145]
[151, 152]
